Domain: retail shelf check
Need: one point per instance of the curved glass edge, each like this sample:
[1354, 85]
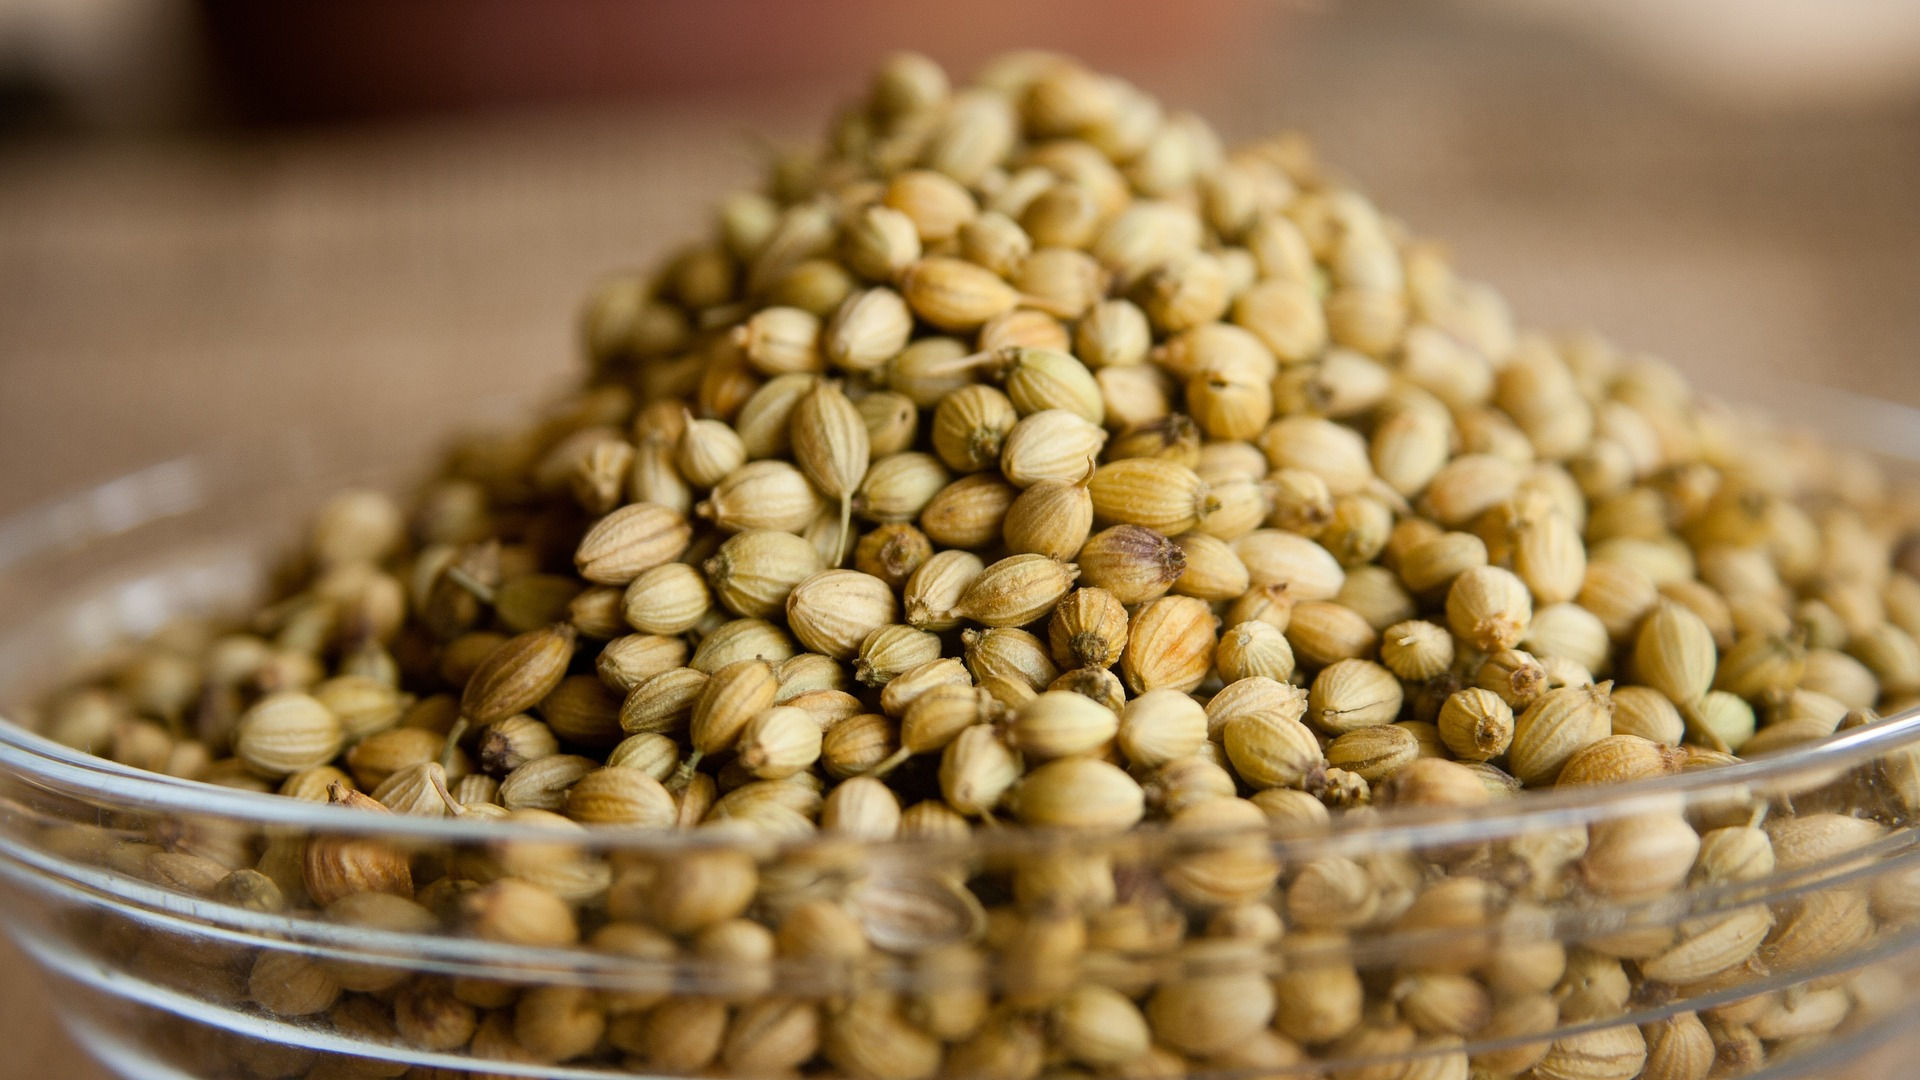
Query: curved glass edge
[86, 972]
[226, 469]
[163, 911]
[35, 759]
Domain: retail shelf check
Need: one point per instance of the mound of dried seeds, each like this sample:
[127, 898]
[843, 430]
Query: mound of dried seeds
[1023, 456]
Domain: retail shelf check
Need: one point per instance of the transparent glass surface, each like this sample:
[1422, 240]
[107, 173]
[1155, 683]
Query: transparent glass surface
[188, 930]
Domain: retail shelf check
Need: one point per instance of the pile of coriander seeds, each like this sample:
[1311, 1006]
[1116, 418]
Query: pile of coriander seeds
[1022, 456]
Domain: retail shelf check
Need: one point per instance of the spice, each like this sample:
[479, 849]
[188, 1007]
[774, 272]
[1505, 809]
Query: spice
[1559, 724]
[1352, 694]
[1016, 590]
[629, 540]
[1489, 607]
[1170, 644]
[1476, 724]
[832, 611]
[1059, 723]
[1025, 458]
[518, 673]
[1416, 650]
[285, 733]
[1077, 792]
[830, 445]
[970, 426]
[1050, 518]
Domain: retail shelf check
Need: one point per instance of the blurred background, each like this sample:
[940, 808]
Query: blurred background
[220, 219]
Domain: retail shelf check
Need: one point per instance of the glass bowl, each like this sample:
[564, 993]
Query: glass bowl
[190, 930]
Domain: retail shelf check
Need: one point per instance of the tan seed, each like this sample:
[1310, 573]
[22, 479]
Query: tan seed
[1352, 694]
[1134, 563]
[1088, 628]
[1158, 494]
[955, 295]
[286, 732]
[1059, 723]
[668, 599]
[1016, 590]
[1050, 518]
[630, 540]
[1416, 650]
[1559, 724]
[1170, 644]
[1160, 726]
[518, 673]
[1476, 724]
[1079, 793]
[1054, 444]
[1489, 608]
[833, 611]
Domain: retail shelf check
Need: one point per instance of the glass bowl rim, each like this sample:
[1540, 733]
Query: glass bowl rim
[35, 758]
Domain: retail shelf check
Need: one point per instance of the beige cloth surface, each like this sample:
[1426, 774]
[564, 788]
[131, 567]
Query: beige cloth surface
[153, 298]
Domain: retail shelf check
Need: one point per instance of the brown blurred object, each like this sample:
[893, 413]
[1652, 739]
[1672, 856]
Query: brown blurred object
[1764, 55]
[309, 60]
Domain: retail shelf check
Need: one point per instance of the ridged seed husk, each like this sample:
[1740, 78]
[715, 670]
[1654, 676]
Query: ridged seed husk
[977, 768]
[1170, 644]
[1051, 518]
[1161, 495]
[1374, 753]
[1678, 1048]
[334, 867]
[833, 611]
[1674, 654]
[1614, 1053]
[1016, 590]
[1134, 563]
[830, 440]
[1639, 856]
[1160, 726]
[1272, 751]
[1078, 792]
[662, 703]
[1352, 694]
[1490, 608]
[954, 294]
[1054, 444]
[763, 495]
[287, 732]
[518, 673]
[1710, 945]
[890, 651]
[969, 512]
[1088, 629]
[1273, 557]
[734, 695]
[753, 572]
[1040, 379]
[616, 796]
[1476, 724]
[1058, 723]
[1619, 759]
[1557, 725]
[970, 425]
[630, 540]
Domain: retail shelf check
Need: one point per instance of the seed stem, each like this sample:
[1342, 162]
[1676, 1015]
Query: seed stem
[892, 762]
[684, 774]
[452, 746]
[480, 589]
